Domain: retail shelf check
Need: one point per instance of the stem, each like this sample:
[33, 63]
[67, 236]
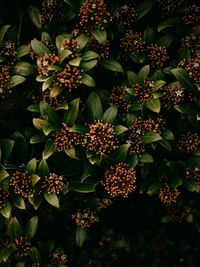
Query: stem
[20, 28]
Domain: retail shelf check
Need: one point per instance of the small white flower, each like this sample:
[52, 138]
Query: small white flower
[178, 92]
[45, 63]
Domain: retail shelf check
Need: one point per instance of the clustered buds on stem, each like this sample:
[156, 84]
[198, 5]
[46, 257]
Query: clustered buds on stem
[70, 44]
[193, 174]
[100, 138]
[52, 184]
[168, 195]
[33, 54]
[102, 49]
[85, 218]
[45, 62]
[9, 49]
[50, 8]
[192, 66]
[5, 80]
[64, 139]
[104, 203]
[144, 92]
[132, 44]
[119, 180]
[3, 197]
[192, 41]
[55, 101]
[70, 77]
[21, 246]
[157, 55]
[118, 99]
[188, 142]
[20, 183]
[58, 257]
[172, 95]
[92, 14]
[169, 6]
[125, 15]
[192, 15]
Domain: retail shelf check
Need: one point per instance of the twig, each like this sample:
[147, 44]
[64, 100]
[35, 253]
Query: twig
[20, 28]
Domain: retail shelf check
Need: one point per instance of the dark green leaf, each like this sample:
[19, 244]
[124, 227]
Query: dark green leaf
[89, 55]
[143, 74]
[146, 158]
[40, 48]
[132, 78]
[168, 135]
[22, 50]
[120, 129]
[3, 31]
[154, 105]
[37, 138]
[94, 107]
[18, 202]
[14, 229]
[35, 16]
[87, 80]
[183, 77]
[149, 35]
[49, 113]
[121, 153]
[43, 168]
[150, 137]
[169, 22]
[101, 36]
[31, 227]
[16, 80]
[80, 236]
[6, 211]
[7, 147]
[112, 64]
[52, 199]
[143, 7]
[110, 114]
[133, 161]
[72, 113]
[86, 66]
[49, 149]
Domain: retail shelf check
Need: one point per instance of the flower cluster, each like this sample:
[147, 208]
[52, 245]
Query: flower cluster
[3, 197]
[137, 130]
[53, 101]
[157, 55]
[58, 257]
[44, 63]
[64, 139]
[9, 49]
[100, 138]
[93, 14]
[169, 6]
[188, 142]
[177, 214]
[104, 203]
[102, 49]
[172, 95]
[193, 174]
[5, 80]
[192, 40]
[4, 240]
[85, 218]
[125, 15]
[50, 9]
[70, 44]
[21, 246]
[192, 15]
[118, 99]
[144, 92]
[70, 77]
[132, 44]
[20, 183]
[52, 184]
[167, 194]
[33, 54]
[119, 180]
[192, 66]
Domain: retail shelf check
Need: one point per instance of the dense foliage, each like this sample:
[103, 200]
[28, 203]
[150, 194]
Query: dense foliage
[100, 133]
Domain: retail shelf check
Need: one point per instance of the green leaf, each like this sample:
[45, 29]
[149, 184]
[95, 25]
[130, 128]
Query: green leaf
[31, 166]
[100, 36]
[35, 16]
[65, 54]
[75, 61]
[154, 105]
[3, 174]
[48, 82]
[154, 188]
[40, 48]
[33, 108]
[80, 236]
[158, 84]
[89, 55]
[37, 138]
[40, 124]
[133, 161]
[149, 35]
[7, 147]
[166, 144]
[132, 78]
[121, 153]
[22, 50]
[119, 129]
[52, 199]
[5, 253]
[49, 113]
[112, 64]
[143, 74]
[46, 36]
[110, 114]
[168, 135]
[16, 80]
[14, 229]
[71, 153]
[64, 106]
[82, 129]
[34, 179]
[94, 107]
[183, 77]
[165, 40]
[170, 22]
[143, 7]
[3, 31]
[87, 80]
[72, 113]
[87, 171]
[175, 182]
[82, 41]
[48, 129]
[146, 158]
[49, 149]
[86, 66]
[184, 53]
[43, 168]
[31, 227]
[18, 202]
[6, 211]
[150, 137]
[86, 187]
[34, 255]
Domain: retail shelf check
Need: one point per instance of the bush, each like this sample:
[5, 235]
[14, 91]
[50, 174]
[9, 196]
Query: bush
[100, 133]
